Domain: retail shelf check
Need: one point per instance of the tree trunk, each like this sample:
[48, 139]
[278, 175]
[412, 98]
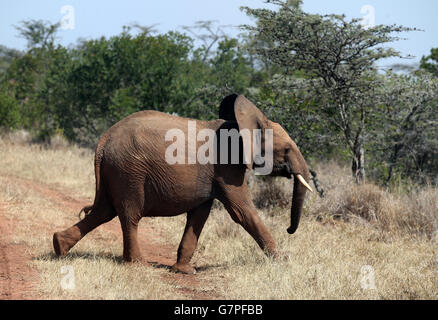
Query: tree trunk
[358, 163]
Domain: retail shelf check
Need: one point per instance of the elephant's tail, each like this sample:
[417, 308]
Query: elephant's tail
[97, 163]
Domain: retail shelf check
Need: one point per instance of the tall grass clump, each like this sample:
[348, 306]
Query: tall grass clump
[270, 192]
[412, 211]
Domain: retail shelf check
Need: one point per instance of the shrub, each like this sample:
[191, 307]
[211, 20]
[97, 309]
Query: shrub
[413, 212]
[9, 111]
[269, 192]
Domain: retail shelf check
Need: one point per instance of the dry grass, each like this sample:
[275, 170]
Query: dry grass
[342, 236]
[399, 213]
[324, 261]
[270, 193]
[68, 167]
[96, 261]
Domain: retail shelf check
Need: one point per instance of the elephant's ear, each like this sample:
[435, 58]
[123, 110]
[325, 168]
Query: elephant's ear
[237, 108]
[250, 117]
[226, 108]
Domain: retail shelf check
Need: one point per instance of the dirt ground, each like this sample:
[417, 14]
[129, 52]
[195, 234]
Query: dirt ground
[42, 190]
[18, 279]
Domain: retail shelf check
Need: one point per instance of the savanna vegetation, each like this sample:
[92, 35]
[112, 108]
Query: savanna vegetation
[316, 75]
[358, 242]
[369, 134]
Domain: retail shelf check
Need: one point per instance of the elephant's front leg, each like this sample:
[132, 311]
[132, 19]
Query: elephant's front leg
[195, 222]
[241, 209]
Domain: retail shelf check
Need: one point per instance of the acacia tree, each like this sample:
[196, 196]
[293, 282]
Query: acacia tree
[38, 33]
[335, 59]
[209, 33]
[405, 136]
[6, 57]
[221, 65]
[430, 62]
[25, 79]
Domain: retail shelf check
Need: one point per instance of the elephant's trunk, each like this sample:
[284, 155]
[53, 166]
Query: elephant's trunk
[301, 177]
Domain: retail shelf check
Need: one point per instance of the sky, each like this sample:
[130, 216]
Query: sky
[89, 19]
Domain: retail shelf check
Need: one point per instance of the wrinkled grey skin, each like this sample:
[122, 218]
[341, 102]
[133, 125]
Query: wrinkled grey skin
[133, 180]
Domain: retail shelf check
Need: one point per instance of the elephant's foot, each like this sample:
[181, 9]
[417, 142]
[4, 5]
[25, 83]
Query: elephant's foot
[280, 256]
[62, 243]
[183, 268]
[134, 258]
[140, 260]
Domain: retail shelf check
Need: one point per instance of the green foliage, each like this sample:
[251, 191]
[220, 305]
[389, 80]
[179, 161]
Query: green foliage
[104, 80]
[229, 67]
[6, 57]
[405, 139]
[9, 111]
[332, 61]
[314, 74]
[38, 33]
[85, 89]
[228, 70]
[430, 63]
[123, 103]
[326, 46]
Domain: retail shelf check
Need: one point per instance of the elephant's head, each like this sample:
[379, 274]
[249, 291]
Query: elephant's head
[287, 160]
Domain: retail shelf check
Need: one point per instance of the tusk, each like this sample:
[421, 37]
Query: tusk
[300, 177]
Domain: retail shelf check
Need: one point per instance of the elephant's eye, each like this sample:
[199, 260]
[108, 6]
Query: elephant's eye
[287, 150]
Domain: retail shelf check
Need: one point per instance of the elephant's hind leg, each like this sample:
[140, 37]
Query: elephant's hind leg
[130, 206]
[131, 250]
[63, 241]
[196, 219]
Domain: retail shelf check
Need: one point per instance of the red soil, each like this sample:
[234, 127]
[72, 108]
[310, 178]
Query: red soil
[18, 279]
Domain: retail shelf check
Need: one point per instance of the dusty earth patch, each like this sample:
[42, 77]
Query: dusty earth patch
[19, 278]
[43, 189]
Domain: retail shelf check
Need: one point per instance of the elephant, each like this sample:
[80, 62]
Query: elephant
[134, 180]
